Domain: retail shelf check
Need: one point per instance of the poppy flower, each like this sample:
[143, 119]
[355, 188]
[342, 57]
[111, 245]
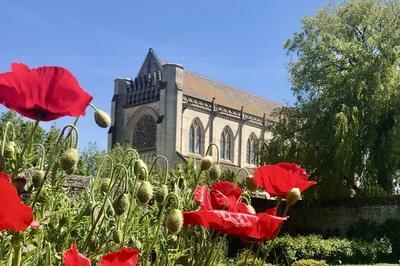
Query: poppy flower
[72, 257]
[221, 195]
[122, 257]
[14, 214]
[247, 226]
[279, 179]
[44, 93]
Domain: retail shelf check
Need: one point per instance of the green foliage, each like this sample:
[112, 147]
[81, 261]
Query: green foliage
[345, 75]
[310, 262]
[288, 249]
[89, 160]
[370, 231]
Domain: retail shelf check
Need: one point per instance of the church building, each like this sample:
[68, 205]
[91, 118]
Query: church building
[174, 112]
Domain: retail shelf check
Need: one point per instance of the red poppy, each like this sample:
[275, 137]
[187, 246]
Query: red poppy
[14, 214]
[122, 257]
[72, 257]
[221, 195]
[279, 179]
[44, 93]
[249, 227]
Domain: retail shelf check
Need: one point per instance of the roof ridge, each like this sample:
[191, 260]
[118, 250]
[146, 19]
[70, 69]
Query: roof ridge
[232, 87]
[161, 62]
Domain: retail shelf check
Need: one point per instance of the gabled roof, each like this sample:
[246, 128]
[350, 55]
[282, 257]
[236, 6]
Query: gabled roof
[198, 86]
[201, 87]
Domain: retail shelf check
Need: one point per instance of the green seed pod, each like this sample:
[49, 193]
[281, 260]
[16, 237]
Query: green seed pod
[37, 177]
[69, 158]
[104, 183]
[161, 194]
[206, 163]
[215, 172]
[70, 171]
[102, 118]
[140, 169]
[121, 204]
[174, 221]
[117, 236]
[145, 192]
[250, 184]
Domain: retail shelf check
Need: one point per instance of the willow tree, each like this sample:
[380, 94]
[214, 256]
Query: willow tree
[345, 73]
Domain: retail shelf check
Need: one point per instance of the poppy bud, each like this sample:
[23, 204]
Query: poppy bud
[215, 172]
[251, 209]
[117, 236]
[102, 118]
[104, 183]
[37, 177]
[121, 204]
[71, 170]
[140, 169]
[250, 184]
[145, 192]
[293, 196]
[206, 163]
[161, 194]
[69, 158]
[174, 221]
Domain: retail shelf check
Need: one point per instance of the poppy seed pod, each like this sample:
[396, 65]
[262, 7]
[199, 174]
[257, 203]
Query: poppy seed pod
[161, 194]
[37, 177]
[140, 169]
[206, 163]
[121, 204]
[174, 221]
[293, 196]
[104, 183]
[117, 236]
[250, 184]
[102, 118]
[69, 158]
[215, 172]
[145, 192]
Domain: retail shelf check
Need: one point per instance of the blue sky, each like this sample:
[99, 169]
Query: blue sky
[236, 42]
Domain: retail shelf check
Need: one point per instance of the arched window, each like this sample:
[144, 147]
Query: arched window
[195, 138]
[251, 150]
[226, 145]
[144, 133]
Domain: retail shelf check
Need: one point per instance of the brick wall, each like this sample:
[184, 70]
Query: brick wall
[322, 216]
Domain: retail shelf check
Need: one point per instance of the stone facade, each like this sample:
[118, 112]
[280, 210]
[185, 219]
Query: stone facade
[170, 111]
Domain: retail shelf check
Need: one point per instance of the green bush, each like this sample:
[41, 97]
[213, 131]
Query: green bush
[287, 249]
[310, 262]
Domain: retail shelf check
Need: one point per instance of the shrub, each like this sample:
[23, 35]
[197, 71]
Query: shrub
[287, 249]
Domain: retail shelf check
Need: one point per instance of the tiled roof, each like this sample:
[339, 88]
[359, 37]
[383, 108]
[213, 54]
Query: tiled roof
[204, 88]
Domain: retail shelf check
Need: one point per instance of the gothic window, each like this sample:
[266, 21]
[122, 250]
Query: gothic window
[251, 150]
[144, 133]
[195, 138]
[226, 145]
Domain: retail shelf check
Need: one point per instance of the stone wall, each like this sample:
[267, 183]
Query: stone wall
[324, 216]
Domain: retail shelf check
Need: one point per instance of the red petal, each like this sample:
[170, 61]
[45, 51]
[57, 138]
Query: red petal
[14, 214]
[122, 257]
[45, 93]
[72, 257]
[227, 189]
[202, 195]
[279, 179]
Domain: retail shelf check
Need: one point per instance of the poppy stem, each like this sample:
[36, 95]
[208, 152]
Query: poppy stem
[17, 254]
[166, 167]
[248, 253]
[26, 147]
